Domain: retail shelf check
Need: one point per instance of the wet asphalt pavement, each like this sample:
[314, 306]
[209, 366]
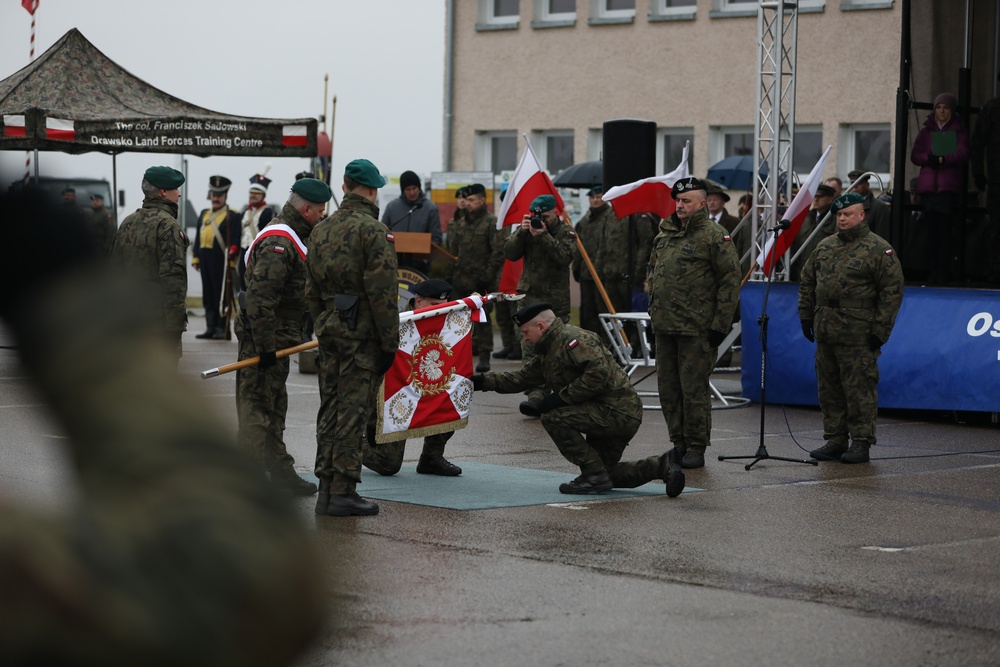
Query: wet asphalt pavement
[893, 563]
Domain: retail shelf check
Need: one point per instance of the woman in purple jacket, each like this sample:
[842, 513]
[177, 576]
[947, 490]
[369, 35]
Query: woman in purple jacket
[941, 150]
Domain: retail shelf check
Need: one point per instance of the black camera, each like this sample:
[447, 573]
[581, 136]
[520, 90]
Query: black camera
[536, 221]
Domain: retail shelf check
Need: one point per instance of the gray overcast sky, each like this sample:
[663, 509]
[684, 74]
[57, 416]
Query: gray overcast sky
[267, 58]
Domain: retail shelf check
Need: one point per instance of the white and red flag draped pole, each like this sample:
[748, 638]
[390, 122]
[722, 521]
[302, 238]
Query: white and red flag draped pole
[529, 181]
[32, 7]
[781, 241]
[650, 195]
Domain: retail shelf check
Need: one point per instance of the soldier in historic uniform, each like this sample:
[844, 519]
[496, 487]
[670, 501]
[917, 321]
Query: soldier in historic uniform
[546, 244]
[387, 458]
[273, 316]
[102, 226]
[478, 245]
[216, 249]
[352, 292]
[593, 411]
[255, 217]
[151, 247]
[693, 292]
[851, 291]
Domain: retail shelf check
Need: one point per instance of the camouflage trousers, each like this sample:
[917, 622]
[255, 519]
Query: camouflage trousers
[261, 406]
[594, 437]
[348, 388]
[387, 458]
[847, 377]
[509, 334]
[683, 366]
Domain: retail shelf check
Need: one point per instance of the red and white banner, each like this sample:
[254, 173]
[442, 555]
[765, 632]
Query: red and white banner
[13, 126]
[59, 129]
[30, 5]
[428, 390]
[780, 242]
[650, 195]
[294, 135]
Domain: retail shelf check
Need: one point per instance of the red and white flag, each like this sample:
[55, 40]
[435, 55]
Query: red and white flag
[13, 125]
[650, 195]
[59, 129]
[780, 242]
[529, 181]
[294, 135]
[30, 5]
[428, 389]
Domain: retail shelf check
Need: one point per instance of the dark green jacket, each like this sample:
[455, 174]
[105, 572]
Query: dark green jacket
[545, 273]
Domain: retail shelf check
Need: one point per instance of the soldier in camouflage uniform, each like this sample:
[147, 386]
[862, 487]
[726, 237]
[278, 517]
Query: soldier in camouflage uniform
[273, 316]
[547, 251]
[851, 290]
[478, 245]
[693, 292]
[103, 228]
[593, 411]
[151, 247]
[352, 292]
[173, 551]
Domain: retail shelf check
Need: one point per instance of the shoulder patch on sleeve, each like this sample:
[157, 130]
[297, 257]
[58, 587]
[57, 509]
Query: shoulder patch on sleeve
[572, 234]
[727, 237]
[573, 343]
[390, 238]
[888, 251]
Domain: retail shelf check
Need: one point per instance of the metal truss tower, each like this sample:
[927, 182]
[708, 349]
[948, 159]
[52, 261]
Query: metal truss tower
[774, 132]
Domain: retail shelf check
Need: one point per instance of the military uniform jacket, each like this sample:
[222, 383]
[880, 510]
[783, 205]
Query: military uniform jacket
[606, 240]
[229, 231]
[102, 228]
[813, 218]
[852, 287]
[276, 286]
[877, 215]
[695, 283]
[545, 275]
[478, 244]
[152, 248]
[351, 253]
[574, 363]
[254, 220]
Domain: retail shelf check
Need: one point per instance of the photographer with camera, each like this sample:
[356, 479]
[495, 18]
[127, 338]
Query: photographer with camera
[546, 244]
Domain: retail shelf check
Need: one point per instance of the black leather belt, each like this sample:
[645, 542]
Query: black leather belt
[847, 303]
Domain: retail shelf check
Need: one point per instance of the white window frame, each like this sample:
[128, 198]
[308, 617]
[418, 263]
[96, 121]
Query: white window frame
[660, 10]
[846, 152]
[717, 141]
[539, 142]
[544, 17]
[733, 8]
[599, 13]
[849, 5]
[489, 21]
[483, 147]
[808, 127]
[662, 132]
[595, 144]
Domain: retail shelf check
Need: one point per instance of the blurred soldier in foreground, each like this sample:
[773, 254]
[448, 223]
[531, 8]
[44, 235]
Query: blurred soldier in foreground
[852, 287]
[174, 551]
[103, 228]
[593, 411]
[151, 247]
[693, 292]
[352, 292]
[273, 317]
[387, 458]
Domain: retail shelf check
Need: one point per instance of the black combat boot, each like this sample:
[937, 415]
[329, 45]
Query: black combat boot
[831, 451]
[530, 407]
[288, 480]
[350, 504]
[858, 453]
[207, 335]
[671, 473]
[435, 464]
[585, 484]
[515, 353]
[503, 353]
[693, 458]
[323, 497]
[484, 362]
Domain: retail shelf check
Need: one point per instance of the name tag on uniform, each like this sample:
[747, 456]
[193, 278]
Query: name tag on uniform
[856, 264]
[688, 250]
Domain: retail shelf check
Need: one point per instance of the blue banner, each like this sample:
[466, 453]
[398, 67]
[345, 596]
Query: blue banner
[944, 352]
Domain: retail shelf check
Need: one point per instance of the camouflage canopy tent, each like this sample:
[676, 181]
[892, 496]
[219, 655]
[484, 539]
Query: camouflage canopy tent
[75, 99]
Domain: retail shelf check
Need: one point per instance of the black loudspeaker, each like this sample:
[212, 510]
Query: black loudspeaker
[629, 151]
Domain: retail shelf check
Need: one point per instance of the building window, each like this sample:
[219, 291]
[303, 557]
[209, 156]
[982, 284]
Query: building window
[670, 149]
[848, 5]
[595, 144]
[868, 148]
[672, 10]
[554, 13]
[731, 8]
[726, 142]
[554, 149]
[498, 14]
[611, 11]
[496, 151]
[808, 149]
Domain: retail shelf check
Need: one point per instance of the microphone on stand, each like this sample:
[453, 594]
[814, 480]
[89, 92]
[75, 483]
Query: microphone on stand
[782, 225]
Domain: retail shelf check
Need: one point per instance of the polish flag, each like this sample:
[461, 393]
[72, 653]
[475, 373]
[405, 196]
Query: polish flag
[13, 126]
[650, 195]
[781, 241]
[59, 129]
[294, 135]
[529, 181]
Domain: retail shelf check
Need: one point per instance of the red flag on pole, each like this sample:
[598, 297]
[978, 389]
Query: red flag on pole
[529, 181]
[30, 5]
[780, 242]
[650, 195]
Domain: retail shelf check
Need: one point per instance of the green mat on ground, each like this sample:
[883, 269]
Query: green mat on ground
[485, 486]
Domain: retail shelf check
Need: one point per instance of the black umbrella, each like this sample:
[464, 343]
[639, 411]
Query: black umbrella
[583, 175]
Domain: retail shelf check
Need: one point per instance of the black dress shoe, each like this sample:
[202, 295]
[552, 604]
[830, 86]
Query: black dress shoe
[529, 408]
[584, 484]
[350, 504]
[671, 473]
[437, 465]
[220, 334]
[208, 334]
[502, 354]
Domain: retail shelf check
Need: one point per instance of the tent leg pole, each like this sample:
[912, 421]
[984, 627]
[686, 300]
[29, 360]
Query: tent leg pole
[36, 166]
[114, 184]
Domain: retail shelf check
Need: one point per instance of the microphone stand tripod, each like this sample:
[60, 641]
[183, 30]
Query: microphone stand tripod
[762, 454]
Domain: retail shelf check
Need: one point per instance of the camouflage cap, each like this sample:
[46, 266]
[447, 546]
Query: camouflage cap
[312, 189]
[529, 313]
[364, 172]
[687, 185]
[165, 178]
[843, 201]
[435, 288]
[543, 203]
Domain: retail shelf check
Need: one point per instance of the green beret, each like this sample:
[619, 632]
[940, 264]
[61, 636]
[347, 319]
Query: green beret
[165, 178]
[529, 313]
[596, 190]
[312, 189]
[364, 172]
[543, 203]
[843, 201]
[97, 195]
